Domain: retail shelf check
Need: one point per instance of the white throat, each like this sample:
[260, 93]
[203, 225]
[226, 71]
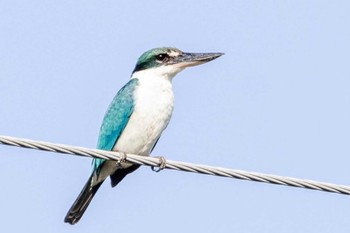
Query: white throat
[162, 72]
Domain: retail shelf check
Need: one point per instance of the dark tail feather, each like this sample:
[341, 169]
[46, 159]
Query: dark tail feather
[119, 174]
[82, 202]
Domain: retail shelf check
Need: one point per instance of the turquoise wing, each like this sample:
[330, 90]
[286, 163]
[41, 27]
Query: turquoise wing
[115, 119]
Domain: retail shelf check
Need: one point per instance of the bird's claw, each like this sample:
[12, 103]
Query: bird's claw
[161, 164]
[122, 159]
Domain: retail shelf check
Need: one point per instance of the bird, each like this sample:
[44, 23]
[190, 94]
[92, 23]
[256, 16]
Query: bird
[136, 117]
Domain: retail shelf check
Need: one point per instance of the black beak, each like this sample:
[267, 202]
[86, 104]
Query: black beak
[193, 59]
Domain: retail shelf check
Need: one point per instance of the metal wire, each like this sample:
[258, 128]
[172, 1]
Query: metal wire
[175, 165]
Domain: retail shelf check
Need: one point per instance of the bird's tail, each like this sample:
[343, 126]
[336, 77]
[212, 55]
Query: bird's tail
[82, 202]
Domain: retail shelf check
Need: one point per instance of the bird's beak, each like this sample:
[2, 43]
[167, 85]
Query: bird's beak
[192, 59]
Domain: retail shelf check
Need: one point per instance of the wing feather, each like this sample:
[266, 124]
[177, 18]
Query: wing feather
[115, 119]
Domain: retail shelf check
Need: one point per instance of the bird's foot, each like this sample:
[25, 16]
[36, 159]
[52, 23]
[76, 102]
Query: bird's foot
[122, 159]
[161, 164]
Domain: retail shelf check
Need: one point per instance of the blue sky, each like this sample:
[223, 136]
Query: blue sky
[277, 102]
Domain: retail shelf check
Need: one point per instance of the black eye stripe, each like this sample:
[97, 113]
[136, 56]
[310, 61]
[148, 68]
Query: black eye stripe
[153, 60]
[162, 57]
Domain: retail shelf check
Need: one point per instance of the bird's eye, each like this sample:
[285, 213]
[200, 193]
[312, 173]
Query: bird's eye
[163, 57]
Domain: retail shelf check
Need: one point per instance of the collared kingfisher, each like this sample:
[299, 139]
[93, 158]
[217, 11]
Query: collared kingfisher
[136, 118]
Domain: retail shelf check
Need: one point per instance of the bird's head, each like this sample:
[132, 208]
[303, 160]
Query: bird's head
[167, 62]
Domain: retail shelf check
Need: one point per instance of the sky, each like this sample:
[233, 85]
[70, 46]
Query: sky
[277, 102]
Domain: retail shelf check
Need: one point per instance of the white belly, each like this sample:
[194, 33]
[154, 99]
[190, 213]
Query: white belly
[154, 103]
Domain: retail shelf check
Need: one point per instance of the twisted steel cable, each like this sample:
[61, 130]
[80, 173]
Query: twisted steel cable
[161, 163]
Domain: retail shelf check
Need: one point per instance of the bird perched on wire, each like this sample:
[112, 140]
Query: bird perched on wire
[136, 118]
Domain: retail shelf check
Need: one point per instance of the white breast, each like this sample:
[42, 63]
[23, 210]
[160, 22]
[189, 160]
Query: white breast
[154, 101]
